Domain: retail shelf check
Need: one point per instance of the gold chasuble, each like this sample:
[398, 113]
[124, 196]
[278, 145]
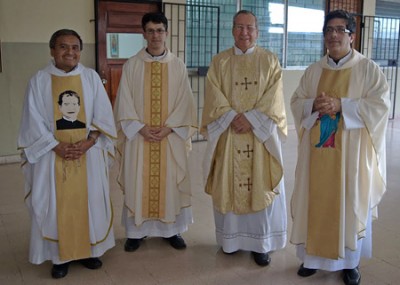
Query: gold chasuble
[241, 164]
[325, 193]
[155, 153]
[71, 178]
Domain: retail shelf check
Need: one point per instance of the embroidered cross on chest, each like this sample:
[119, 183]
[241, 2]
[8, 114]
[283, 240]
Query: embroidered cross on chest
[245, 83]
[248, 184]
[248, 151]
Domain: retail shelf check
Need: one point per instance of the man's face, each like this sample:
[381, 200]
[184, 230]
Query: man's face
[70, 107]
[245, 31]
[155, 35]
[338, 43]
[67, 52]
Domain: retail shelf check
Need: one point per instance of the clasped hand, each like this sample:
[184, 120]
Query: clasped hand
[72, 151]
[154, 134]
[240, 124]
[326, 105]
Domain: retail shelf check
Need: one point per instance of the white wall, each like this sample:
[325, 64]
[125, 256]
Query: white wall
[291, 79]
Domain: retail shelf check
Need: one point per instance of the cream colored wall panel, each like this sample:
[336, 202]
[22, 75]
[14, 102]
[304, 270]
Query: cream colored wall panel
[369, 7]
[34, 21]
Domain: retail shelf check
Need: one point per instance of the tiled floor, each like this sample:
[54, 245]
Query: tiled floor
[155, 262]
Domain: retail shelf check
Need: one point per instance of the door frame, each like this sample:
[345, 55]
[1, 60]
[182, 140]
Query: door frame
[101, 29]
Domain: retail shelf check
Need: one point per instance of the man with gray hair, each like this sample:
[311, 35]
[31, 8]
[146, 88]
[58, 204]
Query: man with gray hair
[244, 121]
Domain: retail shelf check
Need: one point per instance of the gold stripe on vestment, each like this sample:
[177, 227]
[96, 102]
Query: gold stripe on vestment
[155, 153]
[71, 180]
[325, 195]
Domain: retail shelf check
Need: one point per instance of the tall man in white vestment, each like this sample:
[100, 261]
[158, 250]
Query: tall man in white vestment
[66, 166]
[156, 118]
[341, 109]
[244, 121]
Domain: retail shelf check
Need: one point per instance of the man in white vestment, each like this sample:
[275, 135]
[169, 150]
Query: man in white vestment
[156, 118]
[341, 109]
[244, 121]
[66, 169]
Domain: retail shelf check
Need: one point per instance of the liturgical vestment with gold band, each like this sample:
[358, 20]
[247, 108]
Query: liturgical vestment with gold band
[71, 179]
[154, 175]
[242, 174]
[69, 200]
[341, 170]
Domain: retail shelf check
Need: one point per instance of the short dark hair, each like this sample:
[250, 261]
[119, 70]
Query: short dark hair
[158, 18]
[351, 22]
[246, 12]
[68, 93]
[64, 32]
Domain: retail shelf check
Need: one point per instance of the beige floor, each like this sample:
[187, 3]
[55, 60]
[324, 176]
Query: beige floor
[155, 262]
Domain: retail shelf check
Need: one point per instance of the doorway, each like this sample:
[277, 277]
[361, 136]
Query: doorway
[118, 37]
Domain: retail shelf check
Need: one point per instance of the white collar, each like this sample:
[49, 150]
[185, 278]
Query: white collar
[69, 119]
[238, 51]
[341, 62]
[157, 57]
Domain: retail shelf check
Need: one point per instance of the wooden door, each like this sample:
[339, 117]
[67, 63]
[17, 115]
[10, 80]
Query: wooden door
[118, 36]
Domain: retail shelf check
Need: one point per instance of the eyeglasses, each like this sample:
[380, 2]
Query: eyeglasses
[243, 27]
[338, 30]
[157, 31]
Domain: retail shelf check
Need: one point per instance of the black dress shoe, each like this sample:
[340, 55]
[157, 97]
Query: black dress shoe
[262, 259]
[351, 276]
[176, 241]
[91, 263]
[59, 270]
[132, 244]
[305, 272]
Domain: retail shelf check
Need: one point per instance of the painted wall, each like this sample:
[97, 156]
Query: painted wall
[27, 21]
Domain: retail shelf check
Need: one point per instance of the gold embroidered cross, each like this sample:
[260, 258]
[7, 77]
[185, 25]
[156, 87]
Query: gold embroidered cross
[248, 184]
[248, 151]
[245, 83]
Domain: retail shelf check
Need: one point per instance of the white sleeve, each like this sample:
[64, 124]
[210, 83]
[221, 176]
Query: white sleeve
[309, 117]
[351, 114]
[263, 126]
[217, 127]
[131, 128]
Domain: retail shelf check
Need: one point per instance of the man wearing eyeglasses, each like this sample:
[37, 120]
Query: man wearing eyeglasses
[341, 109]
[156, 117]
[244, 121]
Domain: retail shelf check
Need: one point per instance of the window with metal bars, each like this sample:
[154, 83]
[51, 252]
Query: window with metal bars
[292, 29]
